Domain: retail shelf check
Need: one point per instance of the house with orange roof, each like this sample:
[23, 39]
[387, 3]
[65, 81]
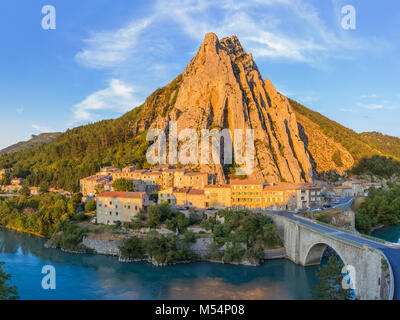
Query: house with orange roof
[188, 197]
[88, 185]
[218, 196]
[246, 193]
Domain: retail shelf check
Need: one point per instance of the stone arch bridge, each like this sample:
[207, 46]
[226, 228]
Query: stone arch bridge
[376, 264]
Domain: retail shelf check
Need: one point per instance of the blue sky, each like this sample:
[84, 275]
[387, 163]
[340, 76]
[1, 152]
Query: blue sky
[105, 57]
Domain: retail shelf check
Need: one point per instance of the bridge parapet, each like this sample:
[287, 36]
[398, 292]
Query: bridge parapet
[305, 245]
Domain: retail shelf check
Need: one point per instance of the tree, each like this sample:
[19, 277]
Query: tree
[77, 198]
[154, 197]
[6, 179]
[90, 206]
[122, 185]
[99, 188]
[6, 292]
[132, 248]
[44, 187]
[25, 191]
[330, 278]
[154, 216]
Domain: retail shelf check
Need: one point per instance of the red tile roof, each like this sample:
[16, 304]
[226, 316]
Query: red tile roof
[246, 182]
[114, 194]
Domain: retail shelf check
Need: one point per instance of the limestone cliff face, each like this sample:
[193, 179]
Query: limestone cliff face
[223, 88]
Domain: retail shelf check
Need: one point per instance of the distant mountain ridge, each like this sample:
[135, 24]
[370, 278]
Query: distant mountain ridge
[35, 140]
[220, 88]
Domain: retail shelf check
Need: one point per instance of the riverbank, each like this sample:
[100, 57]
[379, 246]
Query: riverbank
[98, 277]
[109, 243]
[24, 231]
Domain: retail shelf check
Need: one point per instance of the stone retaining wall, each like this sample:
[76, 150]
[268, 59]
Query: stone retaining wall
[102, 246]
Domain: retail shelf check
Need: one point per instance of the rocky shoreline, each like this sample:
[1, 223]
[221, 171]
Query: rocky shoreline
[200, 248]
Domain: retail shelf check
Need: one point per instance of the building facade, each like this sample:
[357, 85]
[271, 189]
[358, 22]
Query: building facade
[119, 206]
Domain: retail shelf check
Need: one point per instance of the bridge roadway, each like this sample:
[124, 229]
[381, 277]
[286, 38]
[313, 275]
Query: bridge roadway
[392, 254]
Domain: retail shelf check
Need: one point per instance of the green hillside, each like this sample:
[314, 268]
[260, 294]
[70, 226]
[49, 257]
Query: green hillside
[387, 144]
[355, 143]
[40, 139]
[82, 151]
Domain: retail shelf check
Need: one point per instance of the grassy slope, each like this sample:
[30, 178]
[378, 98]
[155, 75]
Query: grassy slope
[355, 143]
[387, 144]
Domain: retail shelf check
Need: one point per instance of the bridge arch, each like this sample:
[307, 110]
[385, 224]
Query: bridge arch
[315, 252]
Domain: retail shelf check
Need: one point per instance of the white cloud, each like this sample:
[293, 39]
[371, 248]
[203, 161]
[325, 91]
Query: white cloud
[367, 96]
[376, 106]
[109, 49]
[41, 129]
[286, 29]
[117, 97]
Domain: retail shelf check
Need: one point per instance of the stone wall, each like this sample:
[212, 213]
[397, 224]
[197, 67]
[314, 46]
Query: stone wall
[102, 246]
[200, 247]
[278, 253]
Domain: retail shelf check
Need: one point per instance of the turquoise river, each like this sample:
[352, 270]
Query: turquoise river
[103, 277]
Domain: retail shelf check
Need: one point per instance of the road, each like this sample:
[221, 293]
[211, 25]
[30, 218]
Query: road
[392, 254]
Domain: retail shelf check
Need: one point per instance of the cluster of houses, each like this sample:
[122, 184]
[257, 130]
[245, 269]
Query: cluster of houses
[354, 188]
[17, 183]
[186, 189]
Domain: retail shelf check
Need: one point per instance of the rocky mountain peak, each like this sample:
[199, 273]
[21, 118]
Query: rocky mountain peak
[223, 88]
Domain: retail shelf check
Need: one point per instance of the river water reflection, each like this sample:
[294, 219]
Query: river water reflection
[102, 277]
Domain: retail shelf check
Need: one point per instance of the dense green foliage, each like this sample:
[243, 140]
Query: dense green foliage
[90, 206]
[68, 236]
[355, 143]
[122, 185]
[377, 166]
[330, 278]
[5, 179]
[38, 214]
[160, 248]
[173, 220]
[381, 207]
[82, 151]
[387, 144]
[245, 235]
[6, 292]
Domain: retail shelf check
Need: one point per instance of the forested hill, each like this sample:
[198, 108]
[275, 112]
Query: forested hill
[81, 151]
[387, 144]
